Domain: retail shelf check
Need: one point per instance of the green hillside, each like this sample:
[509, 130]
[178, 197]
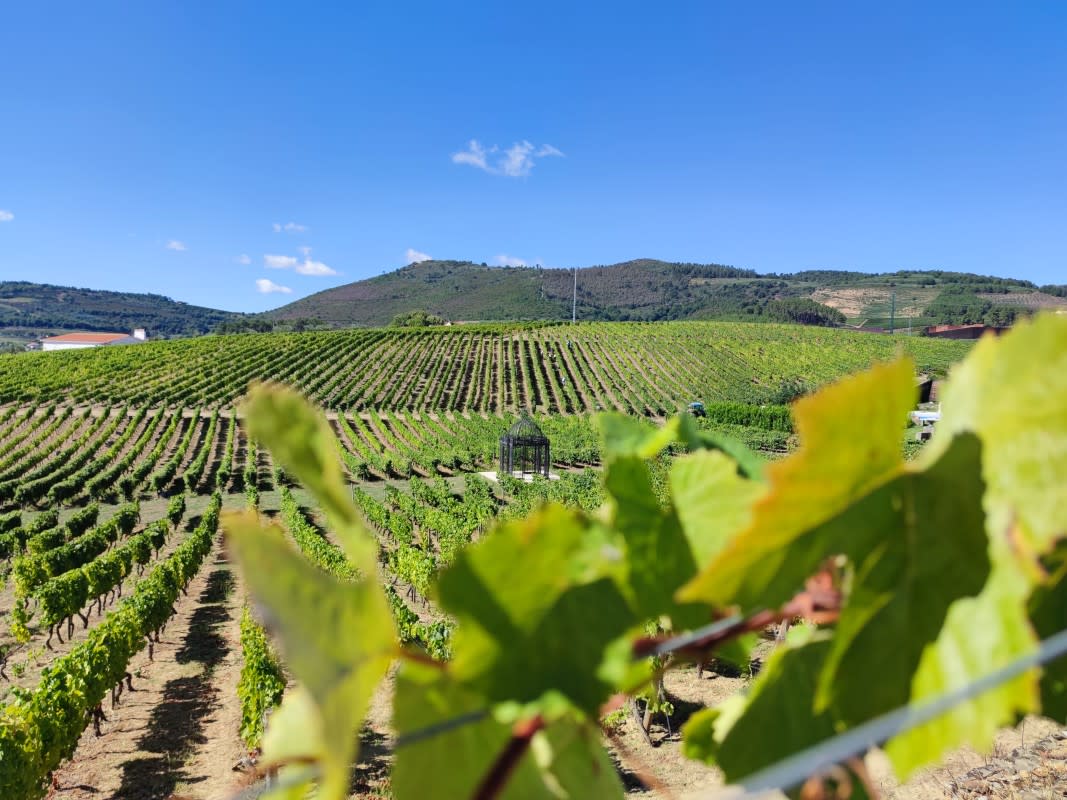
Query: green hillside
[650, 290]
[30, 310]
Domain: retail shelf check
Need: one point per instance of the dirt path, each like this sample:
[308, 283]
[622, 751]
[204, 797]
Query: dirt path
[176, 736]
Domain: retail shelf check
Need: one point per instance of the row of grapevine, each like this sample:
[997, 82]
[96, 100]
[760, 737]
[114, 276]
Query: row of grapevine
[36, 483]
[642, 368]
[39, 729]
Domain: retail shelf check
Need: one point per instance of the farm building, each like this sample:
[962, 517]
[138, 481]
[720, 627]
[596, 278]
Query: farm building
[77, 341]
[974, 331]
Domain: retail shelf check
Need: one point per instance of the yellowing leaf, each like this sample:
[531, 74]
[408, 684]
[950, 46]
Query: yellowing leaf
[337, 638]
[850, 434]
[1012, 392]
[300, 439]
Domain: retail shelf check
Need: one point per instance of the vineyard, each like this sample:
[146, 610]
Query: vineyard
[643, 369]
[120, 468]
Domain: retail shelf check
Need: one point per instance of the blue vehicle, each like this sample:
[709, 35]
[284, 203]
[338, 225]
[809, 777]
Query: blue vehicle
[696, 408]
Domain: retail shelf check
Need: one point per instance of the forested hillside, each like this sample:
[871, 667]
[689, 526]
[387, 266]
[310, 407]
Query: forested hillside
[651, 290]
[35, 309]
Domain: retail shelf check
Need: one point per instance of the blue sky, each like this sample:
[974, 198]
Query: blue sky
[160, 146]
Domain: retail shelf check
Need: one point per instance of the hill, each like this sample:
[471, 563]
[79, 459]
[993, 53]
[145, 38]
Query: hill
[35, 309]
[651, 290]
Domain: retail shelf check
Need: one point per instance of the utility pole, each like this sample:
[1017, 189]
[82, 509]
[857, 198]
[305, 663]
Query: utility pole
[893, 314]
[574, 302]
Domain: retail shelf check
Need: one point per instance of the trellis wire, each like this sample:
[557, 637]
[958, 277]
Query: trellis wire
[798, 767]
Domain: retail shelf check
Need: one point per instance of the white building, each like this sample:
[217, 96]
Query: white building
[77, 341]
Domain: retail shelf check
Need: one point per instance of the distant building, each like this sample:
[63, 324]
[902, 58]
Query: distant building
[78, 341]
[974, 331]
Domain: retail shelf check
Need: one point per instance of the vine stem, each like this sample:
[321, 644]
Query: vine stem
[496, 779]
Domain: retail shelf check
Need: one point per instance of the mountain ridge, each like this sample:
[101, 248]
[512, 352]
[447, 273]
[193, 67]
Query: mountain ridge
[641, 290]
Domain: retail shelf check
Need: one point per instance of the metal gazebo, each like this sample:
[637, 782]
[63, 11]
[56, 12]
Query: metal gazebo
[524, 449]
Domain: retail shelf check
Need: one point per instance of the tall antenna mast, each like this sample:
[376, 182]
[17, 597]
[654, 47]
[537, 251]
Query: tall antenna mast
[574, 302]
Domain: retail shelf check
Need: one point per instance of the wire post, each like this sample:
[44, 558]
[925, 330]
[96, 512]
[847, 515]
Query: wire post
[574, 302]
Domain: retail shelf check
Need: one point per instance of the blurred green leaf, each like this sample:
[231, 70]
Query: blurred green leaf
[629, 436]
[337, 638]
[300, 439]
[524, 600]
[565, 760]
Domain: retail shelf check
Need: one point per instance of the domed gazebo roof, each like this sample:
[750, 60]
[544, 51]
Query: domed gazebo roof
[525, 431]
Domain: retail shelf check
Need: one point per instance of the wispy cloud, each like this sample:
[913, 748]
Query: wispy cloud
[279, 262]
[174, 244]
[267, 286]
[414, 256]
[516, 161]
[6, 216]
[504, 260]
[243, 259]
[306, 267]
[289, 227]
[317, 268]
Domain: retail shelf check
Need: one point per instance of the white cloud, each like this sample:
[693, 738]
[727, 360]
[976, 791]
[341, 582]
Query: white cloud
[504, 260]
[516, 161]
[279, 262]
[414, 256]
[305, 267]
[266, 286]
[473, 155]
[317, 268]
[6, 216]
[243, 259]
[288, 227]
[174, 244]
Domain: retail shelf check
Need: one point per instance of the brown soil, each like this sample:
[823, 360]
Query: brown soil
[176, 735]
[854, 302]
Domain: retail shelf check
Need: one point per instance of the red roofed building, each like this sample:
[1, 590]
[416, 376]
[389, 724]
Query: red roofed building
[77, 341]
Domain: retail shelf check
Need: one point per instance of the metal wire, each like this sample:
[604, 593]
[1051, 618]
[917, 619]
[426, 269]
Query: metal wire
[797, 768]
[418, 735]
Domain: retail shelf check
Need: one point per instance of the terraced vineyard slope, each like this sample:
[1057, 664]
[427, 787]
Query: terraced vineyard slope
[645, 369]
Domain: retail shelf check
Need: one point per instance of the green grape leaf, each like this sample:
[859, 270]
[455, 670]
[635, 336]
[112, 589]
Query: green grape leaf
[573, 762]
[628, 436]
[1010, 391]
[1048, 612]
[850, 434]
[915, 554]
[338, 638]
[712, 500]
[657, 552]
[748, 463]
[565, 760]
[293, 739]
[534, 611]
[777, 713]
[300, 439]
[980, 635]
